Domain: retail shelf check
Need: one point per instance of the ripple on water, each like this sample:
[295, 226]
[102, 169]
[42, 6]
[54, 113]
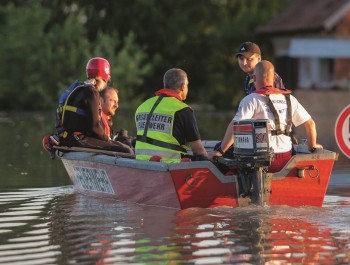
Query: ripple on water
[53, 226]
[25, 236]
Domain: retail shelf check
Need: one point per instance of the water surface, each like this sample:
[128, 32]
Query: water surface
[43, 221]
[59, 226]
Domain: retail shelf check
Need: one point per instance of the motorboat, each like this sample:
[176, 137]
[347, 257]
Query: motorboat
[303, 181]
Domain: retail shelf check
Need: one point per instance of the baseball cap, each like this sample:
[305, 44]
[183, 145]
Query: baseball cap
[248, 49]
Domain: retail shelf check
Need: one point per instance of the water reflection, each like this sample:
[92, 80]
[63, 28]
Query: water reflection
[58, 226]
[24, 226]
[273, 235]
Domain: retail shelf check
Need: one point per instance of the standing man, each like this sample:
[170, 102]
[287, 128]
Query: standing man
[280, 108]
[166, 125]
[248, 56]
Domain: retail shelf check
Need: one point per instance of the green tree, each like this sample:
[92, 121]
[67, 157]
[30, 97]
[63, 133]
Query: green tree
[39, 59]
[46, 44]
[19, 47]
[199, 36]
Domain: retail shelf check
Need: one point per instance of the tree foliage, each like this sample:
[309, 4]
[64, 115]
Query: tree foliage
[46, 44]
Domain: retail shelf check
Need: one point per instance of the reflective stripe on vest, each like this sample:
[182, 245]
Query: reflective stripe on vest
[73, 109]
[146, 139]
[157, 138]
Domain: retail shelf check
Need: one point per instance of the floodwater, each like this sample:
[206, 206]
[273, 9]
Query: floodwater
[43, 221]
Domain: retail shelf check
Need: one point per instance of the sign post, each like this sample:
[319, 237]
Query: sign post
[342, 131]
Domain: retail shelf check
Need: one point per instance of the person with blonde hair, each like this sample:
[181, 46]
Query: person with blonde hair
[78, 116]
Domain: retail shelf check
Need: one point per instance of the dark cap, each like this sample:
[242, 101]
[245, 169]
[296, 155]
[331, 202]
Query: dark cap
[248, 49]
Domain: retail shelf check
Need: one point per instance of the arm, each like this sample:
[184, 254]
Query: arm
[198, 148]
[226, 142]
[246, 110]
[311, 134]
[228, 138]
[186, 131]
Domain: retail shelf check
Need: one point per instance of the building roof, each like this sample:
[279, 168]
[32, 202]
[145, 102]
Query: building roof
[307, 16]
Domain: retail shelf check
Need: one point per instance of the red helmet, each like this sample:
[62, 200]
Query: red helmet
[98, 67]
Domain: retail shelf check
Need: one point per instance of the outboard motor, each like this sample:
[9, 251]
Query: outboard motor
[251, 143]
[251, 157]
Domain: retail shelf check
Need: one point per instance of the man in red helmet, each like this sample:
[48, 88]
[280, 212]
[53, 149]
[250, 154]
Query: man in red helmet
[78, 121]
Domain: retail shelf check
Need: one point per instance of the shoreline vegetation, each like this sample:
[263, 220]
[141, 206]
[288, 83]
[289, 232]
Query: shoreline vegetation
[46, 45]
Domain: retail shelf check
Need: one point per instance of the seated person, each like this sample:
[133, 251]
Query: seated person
[280, 108]
[79, 121]
[165, 124]
[110, 104]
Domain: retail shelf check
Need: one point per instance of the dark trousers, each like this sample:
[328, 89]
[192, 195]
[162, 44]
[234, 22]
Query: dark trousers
[94, 143]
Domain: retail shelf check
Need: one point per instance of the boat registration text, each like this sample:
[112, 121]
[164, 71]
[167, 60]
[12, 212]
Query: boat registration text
[93, 179]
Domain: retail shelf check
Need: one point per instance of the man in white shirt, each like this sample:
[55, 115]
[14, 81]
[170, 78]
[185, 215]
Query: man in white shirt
[268, 102]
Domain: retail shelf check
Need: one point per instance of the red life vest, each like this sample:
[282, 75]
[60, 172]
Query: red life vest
[104, 119]
[167, 92]
[268, 90]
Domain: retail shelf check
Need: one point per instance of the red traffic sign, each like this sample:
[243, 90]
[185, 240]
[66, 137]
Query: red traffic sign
[342, 131]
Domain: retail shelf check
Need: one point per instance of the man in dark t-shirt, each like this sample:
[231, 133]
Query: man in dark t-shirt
[166, 125]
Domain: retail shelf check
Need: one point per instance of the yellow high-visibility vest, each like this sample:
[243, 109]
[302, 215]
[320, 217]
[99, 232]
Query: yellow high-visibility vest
[155, 131]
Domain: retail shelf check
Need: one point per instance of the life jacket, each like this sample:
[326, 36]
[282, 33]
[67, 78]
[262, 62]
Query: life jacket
[267, 91]
[154, 123]
[65, 104]
[105, 123]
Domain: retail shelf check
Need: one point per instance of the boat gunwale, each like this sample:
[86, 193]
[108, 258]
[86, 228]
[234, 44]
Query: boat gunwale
[300, 157]
[117, 159]
[148, 165]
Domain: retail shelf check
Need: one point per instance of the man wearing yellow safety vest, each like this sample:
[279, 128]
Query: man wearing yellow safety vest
[166, 125]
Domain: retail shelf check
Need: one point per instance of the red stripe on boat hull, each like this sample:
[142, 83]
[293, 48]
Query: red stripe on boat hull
[198, 187]
[310, 190]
